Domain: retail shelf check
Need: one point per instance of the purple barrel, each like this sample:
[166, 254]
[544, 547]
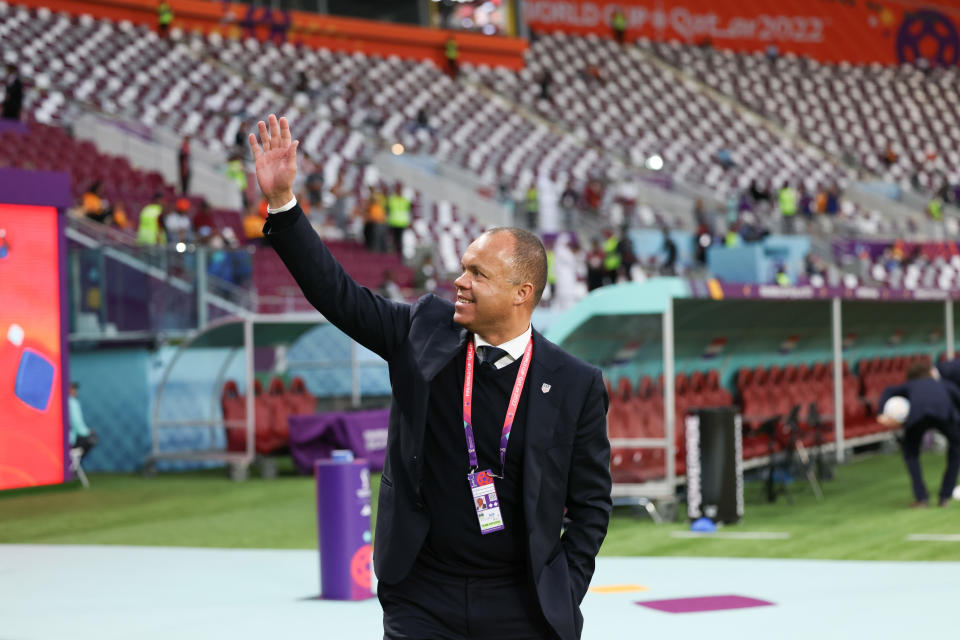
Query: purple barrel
[343, 529]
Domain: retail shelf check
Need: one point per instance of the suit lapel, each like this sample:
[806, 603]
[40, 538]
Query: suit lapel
[446, 342]
[542, 415]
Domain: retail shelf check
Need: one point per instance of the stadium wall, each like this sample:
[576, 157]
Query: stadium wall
[856, 31]
[337, 34]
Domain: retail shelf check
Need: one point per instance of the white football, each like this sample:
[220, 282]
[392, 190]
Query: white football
[956, 492]
[897, 408]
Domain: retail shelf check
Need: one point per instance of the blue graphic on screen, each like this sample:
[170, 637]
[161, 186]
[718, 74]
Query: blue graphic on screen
[34, 380]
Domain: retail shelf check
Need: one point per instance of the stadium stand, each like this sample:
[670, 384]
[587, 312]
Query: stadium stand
[898, 122]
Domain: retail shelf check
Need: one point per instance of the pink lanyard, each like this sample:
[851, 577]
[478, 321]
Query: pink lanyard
[511, 408]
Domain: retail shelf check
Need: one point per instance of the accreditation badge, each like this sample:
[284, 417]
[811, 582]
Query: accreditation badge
[485, 501]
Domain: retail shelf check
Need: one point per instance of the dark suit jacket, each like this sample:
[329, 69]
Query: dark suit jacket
[566, 452]
[929, 400]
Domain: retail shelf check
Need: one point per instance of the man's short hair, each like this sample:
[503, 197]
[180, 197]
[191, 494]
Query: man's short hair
[918, 370]
[529, 259]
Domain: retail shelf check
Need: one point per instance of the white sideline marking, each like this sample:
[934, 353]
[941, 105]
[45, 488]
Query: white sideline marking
[933, 537]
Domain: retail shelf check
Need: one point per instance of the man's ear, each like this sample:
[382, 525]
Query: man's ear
[524, 294]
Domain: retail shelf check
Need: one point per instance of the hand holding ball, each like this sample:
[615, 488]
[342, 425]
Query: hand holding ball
[897, 408]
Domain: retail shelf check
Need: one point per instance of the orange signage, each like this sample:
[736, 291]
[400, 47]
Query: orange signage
[856, 31]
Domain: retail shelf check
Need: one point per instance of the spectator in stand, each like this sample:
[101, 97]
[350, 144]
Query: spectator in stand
[889, 156]
[177, 223]
[595, 270]
[338, 211]
[565, 271]
[832, 206]
[120, 219]
[425, 278]
[240, 139]
[150, 228]
[253, 226]
[546, 80]
[226, 262]
[12, 94]
[782, 278]
[203, 223]
[183, 159]
[374, 220]
[444, 12]
[421, 122]
[451, 52]
[93, 205]
[702, 239]
[628, 257]
[700, 213]
[532, 206]
[933, 405]
[593, 196]
[758, 193]
[81, 435]
[611, 257]
[618, 24]
[732, 238]
[164, 18]
[725, 159]
[238, 174]
[594, 73]
[787, 201]
[669, 267]
[804, 203]
[312, 186]
[398, 217]
[390, 289]
[569, 202]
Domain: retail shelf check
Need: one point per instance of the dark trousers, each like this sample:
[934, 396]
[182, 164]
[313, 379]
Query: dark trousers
[86, 443]
[913, 439]
[431, 605]
[398, 239]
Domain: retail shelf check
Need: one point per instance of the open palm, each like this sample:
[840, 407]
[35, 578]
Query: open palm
[276, 160]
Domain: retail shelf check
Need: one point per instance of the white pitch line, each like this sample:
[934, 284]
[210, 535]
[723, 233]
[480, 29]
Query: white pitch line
[733, 535]
[933, 537]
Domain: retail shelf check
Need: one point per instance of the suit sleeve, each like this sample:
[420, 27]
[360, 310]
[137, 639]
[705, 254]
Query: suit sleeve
[950, 370]
[588, 490]
[376, 323]
[953, 391]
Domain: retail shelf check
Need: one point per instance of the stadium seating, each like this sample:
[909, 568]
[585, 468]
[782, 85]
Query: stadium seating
[635, 110]
[51, 148]
[842, 108]
[638, 413]
[762, 393]
[272, 410]
[278, 292]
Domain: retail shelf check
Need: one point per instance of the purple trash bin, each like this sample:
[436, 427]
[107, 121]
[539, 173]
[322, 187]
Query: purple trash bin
[343, 529]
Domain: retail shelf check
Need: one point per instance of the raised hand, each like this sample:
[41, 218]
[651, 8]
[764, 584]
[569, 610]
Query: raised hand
[276, 160]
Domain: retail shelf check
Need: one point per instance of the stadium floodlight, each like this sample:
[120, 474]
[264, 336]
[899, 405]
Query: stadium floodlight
[181, 247]
[397, 149]
[654, 162]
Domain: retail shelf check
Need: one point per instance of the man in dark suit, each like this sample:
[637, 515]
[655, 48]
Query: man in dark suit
[933, 405]
[482, 541]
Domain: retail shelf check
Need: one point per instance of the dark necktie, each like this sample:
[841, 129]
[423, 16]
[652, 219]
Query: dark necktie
[489, 356]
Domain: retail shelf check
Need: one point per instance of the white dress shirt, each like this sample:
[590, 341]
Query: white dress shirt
[514, 348]
[289, 205]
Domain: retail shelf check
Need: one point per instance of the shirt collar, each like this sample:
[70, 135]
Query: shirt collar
[514, 347]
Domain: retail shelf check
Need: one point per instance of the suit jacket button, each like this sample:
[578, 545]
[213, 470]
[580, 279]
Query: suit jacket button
[413, 459]
[419, 506]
